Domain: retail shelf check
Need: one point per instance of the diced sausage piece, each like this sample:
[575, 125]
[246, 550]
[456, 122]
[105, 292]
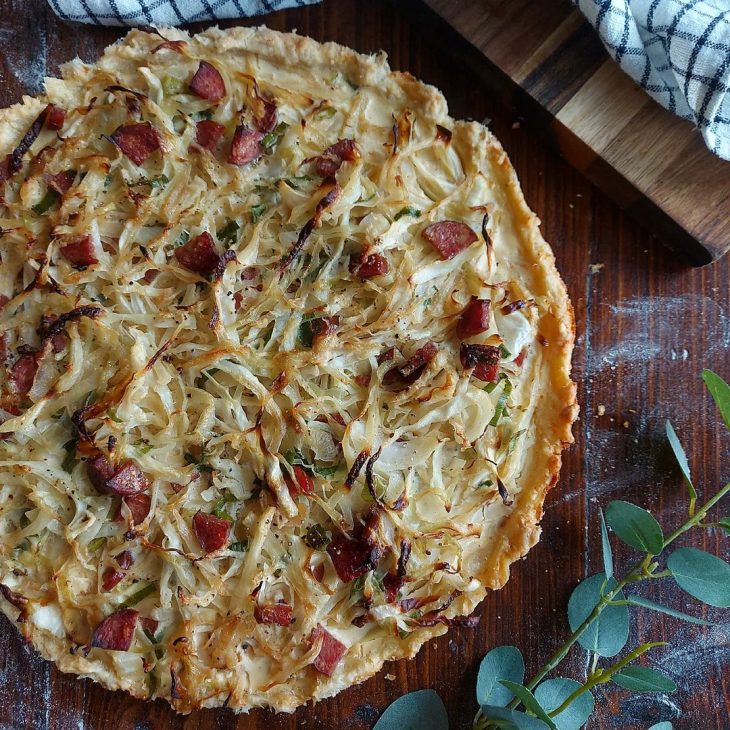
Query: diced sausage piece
[276, 613]
[351, 557]
[449, 237]
[56, 117]
[211, 531]
[125, 559]
[3, 300]
[115, 632]
[369, 266]
[484, 359]
[392, 584]
[330, 161]
[111, 578]
[150, 624]
[331, 652]
[99, 470]
[267, 120]
[474, 319]
[198, 254]
[63, 181]
[245, 146]
[208, 133]
[137, 141]
[80, 251]
[302, 482]
[413, 368]
[322, 326]
[139, 505]
[207, 83]
[128, 479]
[22, 374]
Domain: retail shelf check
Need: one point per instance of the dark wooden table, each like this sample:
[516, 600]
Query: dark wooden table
[647, 325]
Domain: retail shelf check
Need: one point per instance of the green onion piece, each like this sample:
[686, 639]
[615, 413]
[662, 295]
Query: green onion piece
[292, 181]
[501, 409]
[239, 547]
[96, 544]
[202, 115]
[172, 85]
[317, 537]
[256, 212]
[49, 200]
[140, 595]
[219, 508]
[513, 441]
[183, 238]
[305, 334]
[325, 471]
[485, 483]
[112, 413]
[325, 111]
[197, 463]
[273, 138]
[408, 210]
[143, 446]
[504, 352]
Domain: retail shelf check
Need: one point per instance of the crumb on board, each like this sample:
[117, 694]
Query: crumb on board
[515, 125]
[626, 424]
[390, 677]
[601, 410]
[595, 268]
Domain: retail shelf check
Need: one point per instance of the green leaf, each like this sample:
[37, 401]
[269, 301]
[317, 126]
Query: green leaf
[607, 634]
[140, 595]
[553, 692]
[421, 710]
[229, 232]
[408, 210]
[606, 547]
[704, 576]
[274, 137]
[528, 700]
[256, 212]
[643, 679]
[49, 200]
[635, 526]
[646, 603]
[666, 725]
[506, 719]
[720, 392]
[681, 458]
[724, 524]
[503, 662]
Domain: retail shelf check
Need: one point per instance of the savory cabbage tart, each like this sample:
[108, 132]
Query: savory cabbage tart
[286, 368]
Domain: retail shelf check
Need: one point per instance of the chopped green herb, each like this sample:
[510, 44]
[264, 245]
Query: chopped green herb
[274, 137]
[292, 182]
[96, 544]
[112, 413]
[229, 232]
[485, 483]
[513, 441]
[201, 115]
[49, 200]
[489, 387]
[149, 635]
[219, 508]
[197, 463]
[239, 547]
[500, 409]
[108, 181]
[257, 212]
[325, 111]
[140, 595]
[305, 334]
[504, 352]
[294, 456]
[317, 537]
[183, 238]
[326, 471]
[408, 210]
[143, 446]
[69, 461]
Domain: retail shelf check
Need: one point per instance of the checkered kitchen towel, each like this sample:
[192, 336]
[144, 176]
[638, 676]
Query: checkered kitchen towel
[679, 51]
[165, 12]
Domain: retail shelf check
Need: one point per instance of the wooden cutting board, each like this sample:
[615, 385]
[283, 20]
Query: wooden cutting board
[550, 63]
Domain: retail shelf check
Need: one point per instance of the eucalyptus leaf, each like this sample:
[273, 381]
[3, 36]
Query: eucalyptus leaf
[666, 725]
[528, 700]
[553, 692]
[681, 458]
[724, 524]
[702, 575]
[421, 710]
[606, 547]
[644, 679]
[607, 634]
[506, 719]
[646, 603]
[503, 662]
[720, 392]
[635, 526]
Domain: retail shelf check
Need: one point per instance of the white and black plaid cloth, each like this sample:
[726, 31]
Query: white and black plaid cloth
[679, 51]
[165, 12]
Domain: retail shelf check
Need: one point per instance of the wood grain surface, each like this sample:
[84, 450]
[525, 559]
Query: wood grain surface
[646, 326]
[651, 162]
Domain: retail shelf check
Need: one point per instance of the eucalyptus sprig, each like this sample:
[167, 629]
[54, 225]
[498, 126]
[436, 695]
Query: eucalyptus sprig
[598, 615]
